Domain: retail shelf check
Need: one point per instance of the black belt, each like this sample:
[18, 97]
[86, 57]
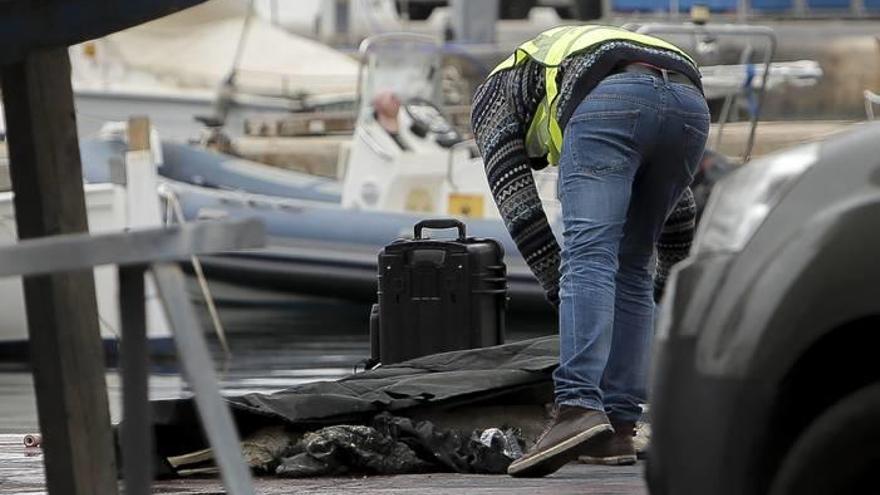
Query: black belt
[671, 76]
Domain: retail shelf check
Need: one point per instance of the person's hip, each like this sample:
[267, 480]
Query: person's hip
[651, 90]
[666, 75]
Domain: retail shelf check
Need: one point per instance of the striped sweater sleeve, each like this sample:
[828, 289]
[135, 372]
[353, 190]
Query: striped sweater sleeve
[500, 130]
[675, 240]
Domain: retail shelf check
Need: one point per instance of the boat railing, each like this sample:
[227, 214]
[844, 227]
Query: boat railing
[871, 99]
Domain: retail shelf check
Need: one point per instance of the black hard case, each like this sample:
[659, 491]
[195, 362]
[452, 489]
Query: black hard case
[438, 295]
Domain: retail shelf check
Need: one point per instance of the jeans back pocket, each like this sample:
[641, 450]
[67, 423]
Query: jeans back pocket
[600, 142]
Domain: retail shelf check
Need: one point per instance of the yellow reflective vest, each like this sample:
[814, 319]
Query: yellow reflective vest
[550, 49]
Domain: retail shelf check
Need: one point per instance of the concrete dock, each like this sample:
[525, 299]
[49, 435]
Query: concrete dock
[21, 472]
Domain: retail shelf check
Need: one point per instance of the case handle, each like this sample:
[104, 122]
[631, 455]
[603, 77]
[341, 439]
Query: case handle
[441, 223]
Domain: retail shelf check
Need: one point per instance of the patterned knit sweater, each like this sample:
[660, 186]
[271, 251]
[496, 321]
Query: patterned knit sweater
[502, 111]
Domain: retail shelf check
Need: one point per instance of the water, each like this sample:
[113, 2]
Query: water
[274, 347]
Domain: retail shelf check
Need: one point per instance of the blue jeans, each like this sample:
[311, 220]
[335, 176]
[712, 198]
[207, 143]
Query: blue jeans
[631, 148]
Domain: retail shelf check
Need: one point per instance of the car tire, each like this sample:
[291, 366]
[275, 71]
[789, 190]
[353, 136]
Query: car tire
[838, 453]
[652, 477]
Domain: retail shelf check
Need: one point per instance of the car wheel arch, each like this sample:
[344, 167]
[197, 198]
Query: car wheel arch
[818, 278]
[837, 364]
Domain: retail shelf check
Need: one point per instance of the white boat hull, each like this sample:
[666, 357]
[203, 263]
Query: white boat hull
[106, 206]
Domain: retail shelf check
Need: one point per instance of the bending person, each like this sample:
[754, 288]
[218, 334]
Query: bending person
[624, 117]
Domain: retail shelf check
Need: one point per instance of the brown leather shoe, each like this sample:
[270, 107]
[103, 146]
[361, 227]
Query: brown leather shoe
[569, 432]
[613, 450]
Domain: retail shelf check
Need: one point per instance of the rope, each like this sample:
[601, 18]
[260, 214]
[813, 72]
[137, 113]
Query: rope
[173, 204]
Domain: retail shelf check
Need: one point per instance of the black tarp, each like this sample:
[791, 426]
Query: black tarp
[516, 373]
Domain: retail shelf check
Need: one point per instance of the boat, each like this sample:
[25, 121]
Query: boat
[110, 207]
[316, 246]
[321, 249]
[219, 71]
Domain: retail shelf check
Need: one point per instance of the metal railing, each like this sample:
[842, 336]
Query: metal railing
[727, 30]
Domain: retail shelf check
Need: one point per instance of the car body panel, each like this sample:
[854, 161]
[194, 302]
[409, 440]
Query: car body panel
[734, 324]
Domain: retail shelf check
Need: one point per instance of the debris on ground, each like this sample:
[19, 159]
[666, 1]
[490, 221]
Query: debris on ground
[396, 445]
[264, 449]
[344, 449]
[388, 445]
[33, 440]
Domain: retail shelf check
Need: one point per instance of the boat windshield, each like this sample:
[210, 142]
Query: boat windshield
[407, 66]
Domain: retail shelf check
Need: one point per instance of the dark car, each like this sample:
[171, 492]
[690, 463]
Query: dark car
[767, 366]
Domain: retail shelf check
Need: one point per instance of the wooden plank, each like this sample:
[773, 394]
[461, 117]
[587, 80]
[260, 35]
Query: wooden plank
[138, 133]
[137, 436]
[66, 352]
[80, 251]
[143, 205]
[214, 413]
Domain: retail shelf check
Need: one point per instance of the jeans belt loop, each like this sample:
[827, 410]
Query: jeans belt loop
[665, 76]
